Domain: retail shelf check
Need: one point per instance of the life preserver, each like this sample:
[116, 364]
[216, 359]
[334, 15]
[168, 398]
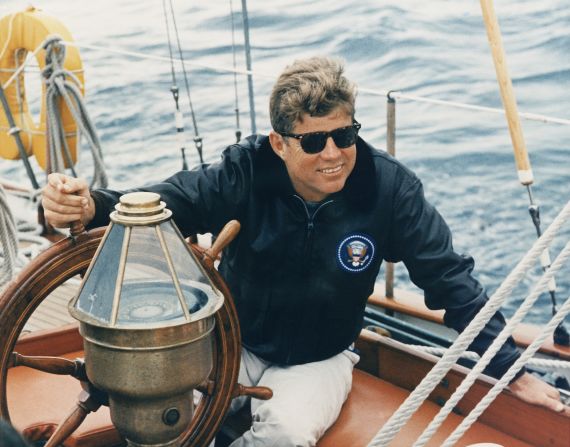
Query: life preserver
[26, 31]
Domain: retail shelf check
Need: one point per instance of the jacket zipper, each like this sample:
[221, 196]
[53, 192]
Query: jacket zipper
[310, 225]
[308, 243]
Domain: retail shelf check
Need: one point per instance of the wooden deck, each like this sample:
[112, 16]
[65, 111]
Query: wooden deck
[52, 312]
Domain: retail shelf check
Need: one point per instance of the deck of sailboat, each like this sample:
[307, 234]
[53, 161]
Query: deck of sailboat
[38, 401]
[52, 312]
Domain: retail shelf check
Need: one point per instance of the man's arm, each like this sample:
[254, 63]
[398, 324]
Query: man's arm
[201, 200]
[422, 240]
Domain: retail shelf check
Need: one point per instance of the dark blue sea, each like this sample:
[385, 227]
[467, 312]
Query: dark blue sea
[436, 49]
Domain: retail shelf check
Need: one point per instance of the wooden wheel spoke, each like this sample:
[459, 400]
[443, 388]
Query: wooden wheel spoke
[86, 403]
[256, 392]
[52, 365]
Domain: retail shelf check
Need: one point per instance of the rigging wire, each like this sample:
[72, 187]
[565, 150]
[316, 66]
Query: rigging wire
[178, 117]
[238, 131]
[393, 94]
[247, 48]
[561, 335]
[197, 137]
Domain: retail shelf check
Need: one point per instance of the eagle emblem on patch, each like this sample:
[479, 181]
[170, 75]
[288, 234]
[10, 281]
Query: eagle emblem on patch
[355, 252]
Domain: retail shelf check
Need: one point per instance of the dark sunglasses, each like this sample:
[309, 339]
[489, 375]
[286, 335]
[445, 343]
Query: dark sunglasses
[315, 142]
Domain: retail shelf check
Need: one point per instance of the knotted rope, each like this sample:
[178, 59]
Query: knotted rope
[61, 83]
[422, 391]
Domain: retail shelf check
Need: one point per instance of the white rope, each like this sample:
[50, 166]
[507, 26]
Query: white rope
[167, 59]
[21, 68]
[416, 398]
[8, 239]
[548, 364]
[492, 350]
[35, 132]
[509, 375]
[60, 83]
[10, 29]
[12, 233]
[399, 94]
[32, 67]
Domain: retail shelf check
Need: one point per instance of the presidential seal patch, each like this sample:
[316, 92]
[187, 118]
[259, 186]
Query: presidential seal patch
[355, 253]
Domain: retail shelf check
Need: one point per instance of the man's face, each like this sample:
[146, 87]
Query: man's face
[315, 176]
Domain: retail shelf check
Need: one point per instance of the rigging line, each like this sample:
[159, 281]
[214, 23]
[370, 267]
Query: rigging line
[238, 131]
[461, 343]
[178, 117]
[165, 59]
[10, 29]
[248, 65]
[197, 137]
[493, 349]
[35, 68]
[20, 96]
[22, 67]
[396, 95]
[459, 105]
[507, 377]
[173, 73]
[561, 335]
[471, 355]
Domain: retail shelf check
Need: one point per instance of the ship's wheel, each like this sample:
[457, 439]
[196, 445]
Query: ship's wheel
[71, 257]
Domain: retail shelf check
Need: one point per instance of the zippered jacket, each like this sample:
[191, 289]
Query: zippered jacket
[300, 279]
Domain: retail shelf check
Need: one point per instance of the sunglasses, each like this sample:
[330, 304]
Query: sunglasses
[315, 142]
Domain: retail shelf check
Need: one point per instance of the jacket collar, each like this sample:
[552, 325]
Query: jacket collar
[271, 177]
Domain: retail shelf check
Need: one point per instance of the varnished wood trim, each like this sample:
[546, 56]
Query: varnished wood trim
[412, 304]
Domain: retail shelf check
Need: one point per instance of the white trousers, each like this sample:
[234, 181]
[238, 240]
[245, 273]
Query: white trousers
[306, 401]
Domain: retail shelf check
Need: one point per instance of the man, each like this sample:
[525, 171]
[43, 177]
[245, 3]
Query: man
[320, 209]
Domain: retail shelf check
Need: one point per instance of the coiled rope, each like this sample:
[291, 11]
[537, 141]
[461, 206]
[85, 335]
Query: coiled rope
[417, 397]
[61, 83]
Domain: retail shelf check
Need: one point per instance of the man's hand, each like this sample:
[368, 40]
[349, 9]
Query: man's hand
[67, 199]
[534, 391]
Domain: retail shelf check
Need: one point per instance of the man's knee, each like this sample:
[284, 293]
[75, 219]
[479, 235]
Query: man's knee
[286, 429]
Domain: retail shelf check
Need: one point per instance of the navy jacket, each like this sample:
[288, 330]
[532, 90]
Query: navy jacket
[300, 282]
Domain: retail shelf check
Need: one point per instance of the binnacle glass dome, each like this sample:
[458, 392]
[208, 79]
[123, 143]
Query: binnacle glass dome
[144, 273]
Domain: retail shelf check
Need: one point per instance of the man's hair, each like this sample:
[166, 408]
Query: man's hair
[315, 86]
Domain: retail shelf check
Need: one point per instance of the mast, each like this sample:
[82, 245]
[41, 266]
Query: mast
[524, 169]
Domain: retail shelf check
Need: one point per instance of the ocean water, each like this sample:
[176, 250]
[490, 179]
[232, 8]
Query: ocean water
[435, 49]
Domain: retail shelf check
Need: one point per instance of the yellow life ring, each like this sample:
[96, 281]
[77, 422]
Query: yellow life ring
[25, 31]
